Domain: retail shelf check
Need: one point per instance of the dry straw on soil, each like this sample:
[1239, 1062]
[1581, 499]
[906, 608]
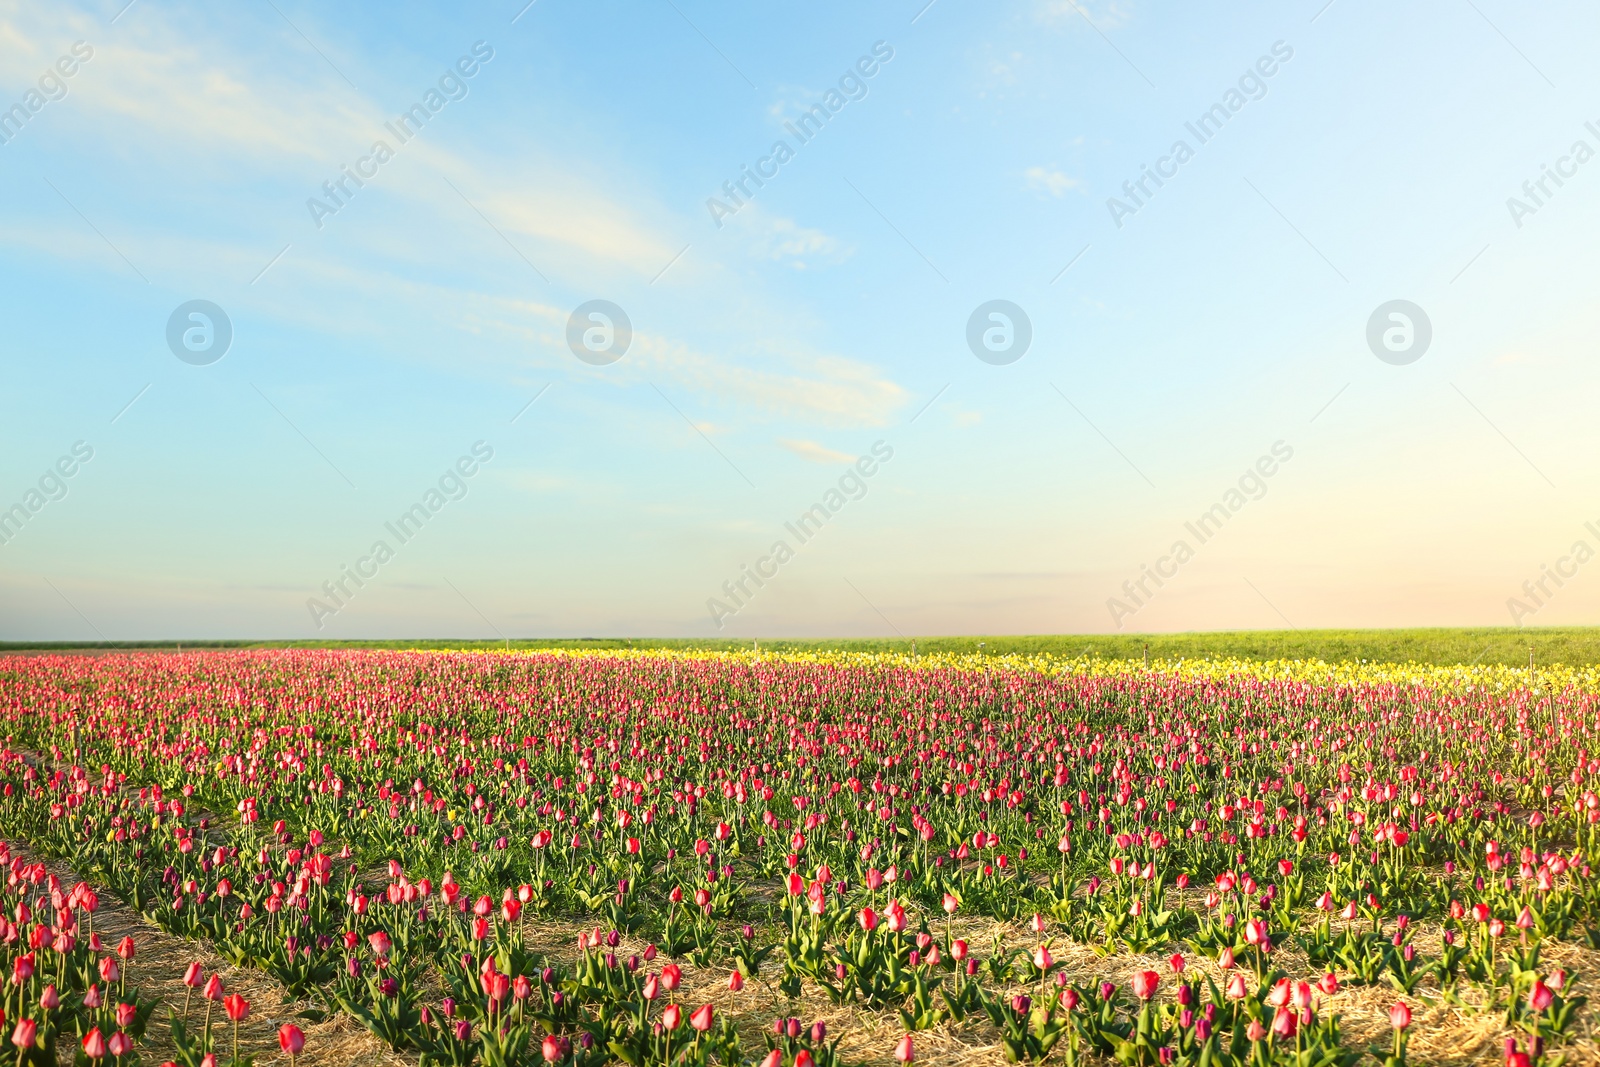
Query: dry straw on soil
[1441, 1034]
[157, 971]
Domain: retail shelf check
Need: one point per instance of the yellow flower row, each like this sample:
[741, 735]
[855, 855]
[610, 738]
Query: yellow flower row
[1490, 677]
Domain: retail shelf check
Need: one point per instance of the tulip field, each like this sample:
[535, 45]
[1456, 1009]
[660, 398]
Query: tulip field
[792, 860]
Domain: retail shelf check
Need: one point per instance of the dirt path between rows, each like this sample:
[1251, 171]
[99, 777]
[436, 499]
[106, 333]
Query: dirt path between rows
[158, 968]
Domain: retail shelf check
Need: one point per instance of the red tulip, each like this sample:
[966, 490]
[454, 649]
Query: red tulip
[292, 1039]
[1540, 996]
[94, 1045]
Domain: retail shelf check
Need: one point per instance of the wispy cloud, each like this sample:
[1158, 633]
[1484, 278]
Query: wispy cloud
[788, 379]
[765, 378]
[779, 239]
[160, 90]
[816, 453]
[151, 79]
[561, 208]
[155, 90]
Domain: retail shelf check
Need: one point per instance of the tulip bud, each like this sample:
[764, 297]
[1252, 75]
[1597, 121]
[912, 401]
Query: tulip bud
[291, 1039]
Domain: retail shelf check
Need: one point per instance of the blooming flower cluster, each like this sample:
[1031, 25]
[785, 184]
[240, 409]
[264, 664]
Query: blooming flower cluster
[385, 833]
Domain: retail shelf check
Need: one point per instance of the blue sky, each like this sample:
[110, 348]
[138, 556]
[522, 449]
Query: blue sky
[775, 346]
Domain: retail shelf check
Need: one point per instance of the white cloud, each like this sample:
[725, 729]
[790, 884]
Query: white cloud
[1004, 71]
[148, 78]
[812, 451]
[153, 89]
[791, 100]
[784, 378]
[1049, 180]
[789, 380]
[562, 210]
[782, 240]
[1104, 14]
[170, 103]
